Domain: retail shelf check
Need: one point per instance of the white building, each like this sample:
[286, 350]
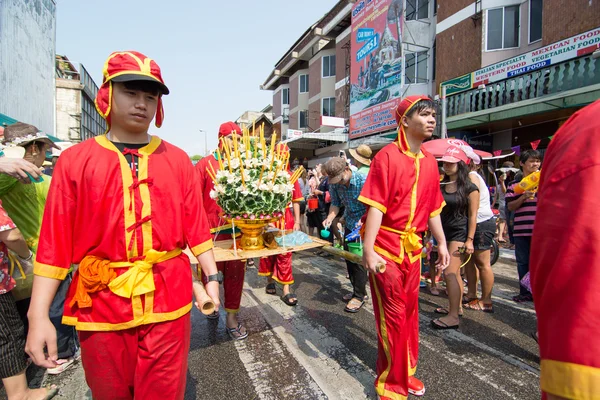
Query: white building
[27, 48]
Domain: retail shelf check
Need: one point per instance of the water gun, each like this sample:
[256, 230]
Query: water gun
[530, 182]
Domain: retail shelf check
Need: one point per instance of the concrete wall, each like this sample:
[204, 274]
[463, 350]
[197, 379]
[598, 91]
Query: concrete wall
[298, 101]
[68, 109]
[27, 51]
[277, 103]
[565, 18]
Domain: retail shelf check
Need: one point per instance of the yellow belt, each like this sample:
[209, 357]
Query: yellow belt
[409, 240]
[138, 279]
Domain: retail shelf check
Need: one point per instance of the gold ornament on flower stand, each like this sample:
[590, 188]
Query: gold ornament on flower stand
[252, 185]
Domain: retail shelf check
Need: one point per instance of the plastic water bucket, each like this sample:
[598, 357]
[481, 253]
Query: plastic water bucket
[313, 203]
[355, 248]
[325, 233]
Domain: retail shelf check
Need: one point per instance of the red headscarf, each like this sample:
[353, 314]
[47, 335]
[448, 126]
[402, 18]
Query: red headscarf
[122, 66]
[403, 107]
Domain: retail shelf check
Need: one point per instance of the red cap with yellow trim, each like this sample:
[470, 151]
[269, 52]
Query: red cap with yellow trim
[125, 66]
[406, 104]
[227, 128]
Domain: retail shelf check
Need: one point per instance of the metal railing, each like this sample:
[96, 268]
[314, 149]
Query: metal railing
[568, 75]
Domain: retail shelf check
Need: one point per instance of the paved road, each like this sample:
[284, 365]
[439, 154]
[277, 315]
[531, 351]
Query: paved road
[317, 351]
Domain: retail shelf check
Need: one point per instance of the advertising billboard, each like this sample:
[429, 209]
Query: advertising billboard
[376, 65]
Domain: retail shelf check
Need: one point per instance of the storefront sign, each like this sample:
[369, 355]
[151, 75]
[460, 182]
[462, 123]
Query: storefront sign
[567, 49]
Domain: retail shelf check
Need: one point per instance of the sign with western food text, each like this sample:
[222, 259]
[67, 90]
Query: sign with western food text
[567, 49]
[294, 134]
[376, 65]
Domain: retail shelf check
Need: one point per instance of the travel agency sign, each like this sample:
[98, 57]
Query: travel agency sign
[573, 47]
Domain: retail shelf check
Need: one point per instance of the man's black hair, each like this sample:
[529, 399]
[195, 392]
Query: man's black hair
[530, 153]
[426, 104]
[149, 87]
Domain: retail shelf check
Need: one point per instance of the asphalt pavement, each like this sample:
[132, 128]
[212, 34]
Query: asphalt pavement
[318, 351]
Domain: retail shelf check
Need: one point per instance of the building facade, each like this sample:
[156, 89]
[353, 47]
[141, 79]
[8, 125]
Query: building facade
[312, 81]
[514, 70]
[76, 115]
[27, 48]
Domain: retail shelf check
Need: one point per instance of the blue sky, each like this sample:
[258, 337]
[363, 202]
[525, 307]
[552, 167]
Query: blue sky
[213, 54]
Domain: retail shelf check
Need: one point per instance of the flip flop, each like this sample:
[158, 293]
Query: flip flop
[290, 299]
[476, 305]
[236, 333]
[354, 301]
[438, 324]
[51, 392]
[271, 288]
[444, 311]
[466, 299]
[349, 296]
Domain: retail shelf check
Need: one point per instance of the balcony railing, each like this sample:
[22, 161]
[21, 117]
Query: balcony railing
[568, 75]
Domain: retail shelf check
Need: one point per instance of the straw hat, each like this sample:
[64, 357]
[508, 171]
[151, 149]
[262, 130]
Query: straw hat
[362, 154]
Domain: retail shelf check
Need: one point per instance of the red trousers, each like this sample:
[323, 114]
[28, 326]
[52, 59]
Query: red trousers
[396, 304]
[147, 362]
[233, 283]
[278, 267]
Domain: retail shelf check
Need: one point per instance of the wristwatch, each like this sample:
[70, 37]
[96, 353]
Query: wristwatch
[218, 277]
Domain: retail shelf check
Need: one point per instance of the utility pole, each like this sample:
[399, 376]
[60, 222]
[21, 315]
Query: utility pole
[205, 142]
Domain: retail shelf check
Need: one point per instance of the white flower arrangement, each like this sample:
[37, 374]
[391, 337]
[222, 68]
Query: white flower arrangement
[252, 181]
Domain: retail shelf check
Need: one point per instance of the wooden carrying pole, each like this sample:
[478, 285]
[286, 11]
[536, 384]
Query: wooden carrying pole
[355, 258]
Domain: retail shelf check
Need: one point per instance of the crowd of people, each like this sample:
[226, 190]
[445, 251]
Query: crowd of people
[105, 264]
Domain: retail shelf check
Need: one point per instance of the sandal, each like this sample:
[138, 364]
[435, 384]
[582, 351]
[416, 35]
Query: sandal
[214, 315]
[290, 299]
[434, 291]
[479, 306]
[441, 325]
[534, 336]
[354, 305]
[271, 288]
[236, 333]
[466, 299]
[349, 297]
[444, 311]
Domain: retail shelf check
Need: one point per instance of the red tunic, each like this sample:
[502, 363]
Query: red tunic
[403, 186]
[565, 259]
[96, 207]
[206, 185]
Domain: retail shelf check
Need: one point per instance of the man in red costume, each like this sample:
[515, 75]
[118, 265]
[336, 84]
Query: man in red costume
[233, 271]
[565, 237]
[403, 195]
[279, 268]
[122, 207]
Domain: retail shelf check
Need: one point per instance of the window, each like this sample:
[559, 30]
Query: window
[415, 68]
[285, 96]
[303, 119]
[434, 7]
[535, 20]
[304, 83]
[328, 66]
[503, 28]
[328, 107]
[417, 9]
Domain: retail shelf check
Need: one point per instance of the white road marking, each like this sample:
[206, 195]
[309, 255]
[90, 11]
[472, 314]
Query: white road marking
[315, 349]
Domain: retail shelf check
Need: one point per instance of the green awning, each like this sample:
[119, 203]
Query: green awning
[5, 120]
